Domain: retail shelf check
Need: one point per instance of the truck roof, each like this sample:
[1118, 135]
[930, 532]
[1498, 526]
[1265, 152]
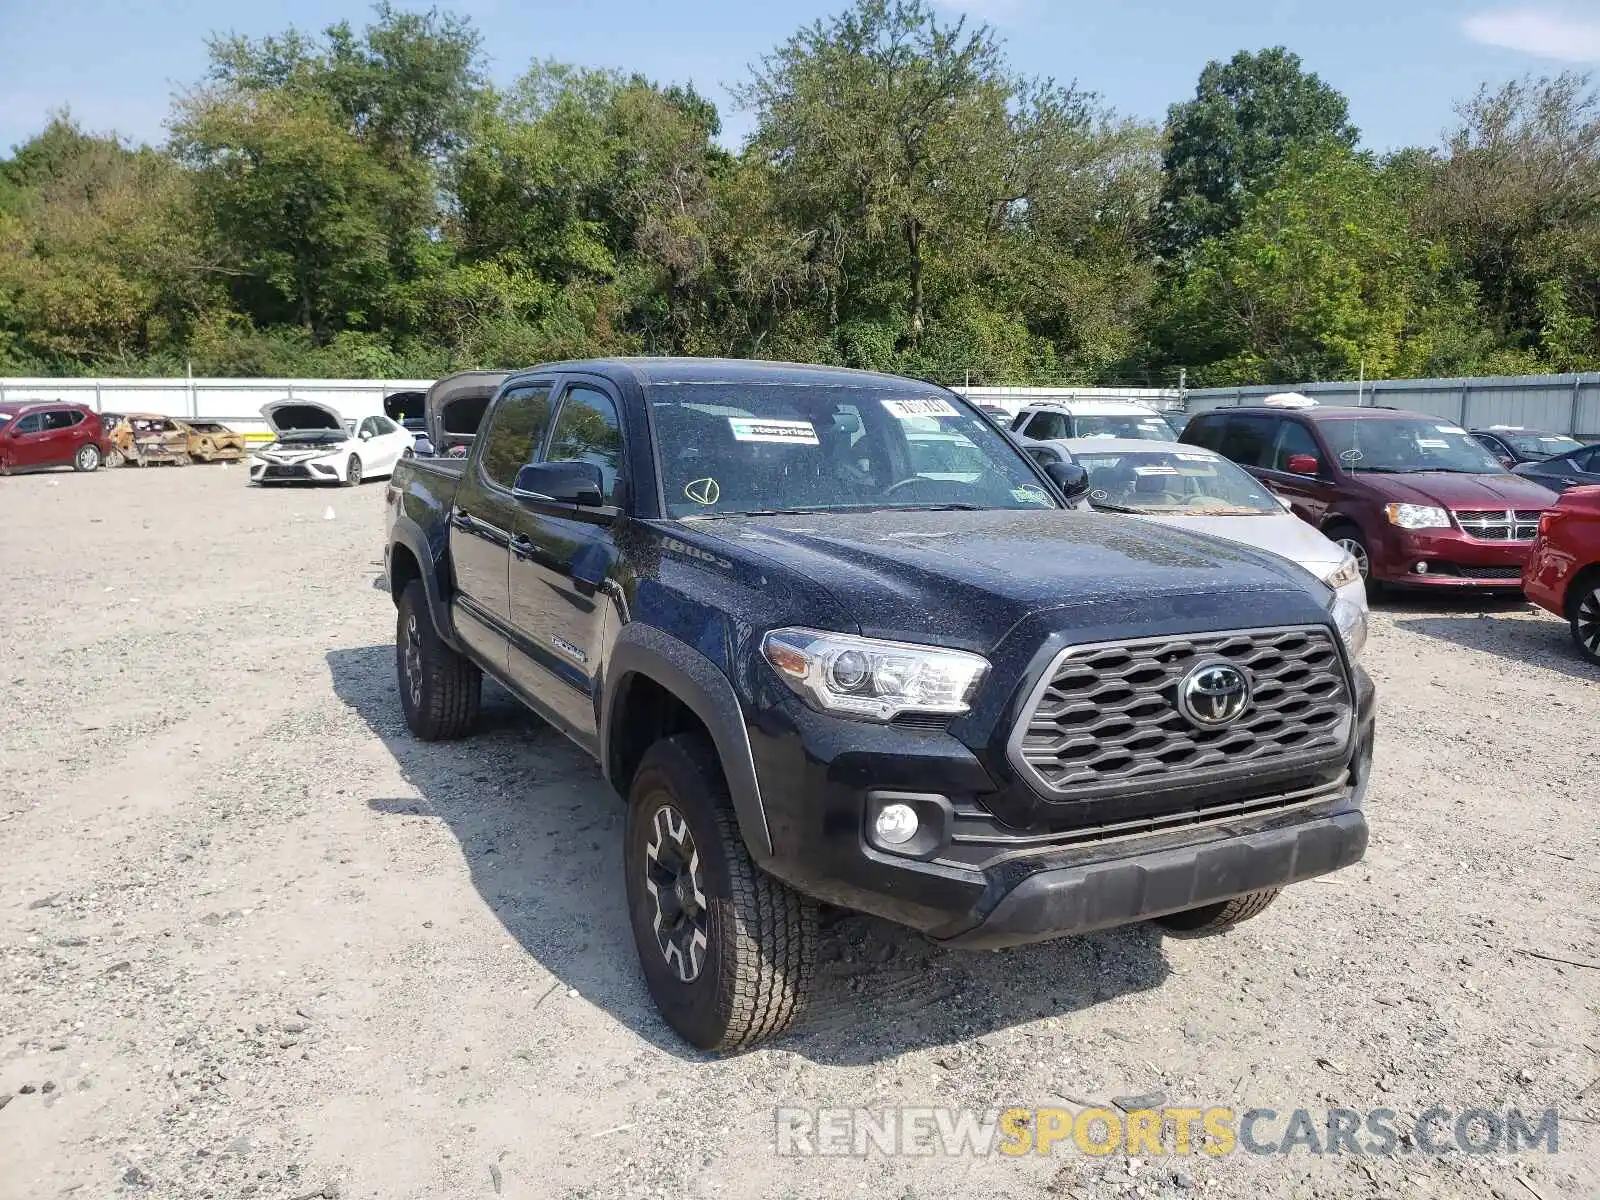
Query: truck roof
[730, 370]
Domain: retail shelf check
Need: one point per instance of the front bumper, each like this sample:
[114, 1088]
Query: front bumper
[983, 884]
[313, 470]
[1453, 560]
[1078, 899]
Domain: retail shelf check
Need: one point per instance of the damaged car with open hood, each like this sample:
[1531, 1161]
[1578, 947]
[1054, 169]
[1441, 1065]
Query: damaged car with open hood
[313, 443]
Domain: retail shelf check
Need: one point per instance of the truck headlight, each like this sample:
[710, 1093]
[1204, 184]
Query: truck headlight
[1351, 620]
[1417, 516]
[863, 677]
[1344, 574]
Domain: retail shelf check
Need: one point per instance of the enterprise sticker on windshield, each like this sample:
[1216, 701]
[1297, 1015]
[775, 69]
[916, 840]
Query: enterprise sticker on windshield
[1433, 443]
[789, 433]
[1449, 429]
[1155, 470]
[928, 406]
[1205, 458]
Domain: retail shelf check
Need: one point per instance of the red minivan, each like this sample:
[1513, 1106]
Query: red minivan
[1414, 498]
[36, 434]
[1563, 571]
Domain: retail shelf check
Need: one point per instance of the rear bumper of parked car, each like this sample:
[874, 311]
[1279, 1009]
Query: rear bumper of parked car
[967, 892]
[1450, 558]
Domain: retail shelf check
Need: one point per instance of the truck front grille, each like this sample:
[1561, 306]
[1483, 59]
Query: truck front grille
[1105, 718]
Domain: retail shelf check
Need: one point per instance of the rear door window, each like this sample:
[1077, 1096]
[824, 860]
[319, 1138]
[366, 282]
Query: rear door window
[1248, 440]
[61, 418]
[515, 433]
[1204, 431]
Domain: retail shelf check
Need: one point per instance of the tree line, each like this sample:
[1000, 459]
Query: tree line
[368, 204]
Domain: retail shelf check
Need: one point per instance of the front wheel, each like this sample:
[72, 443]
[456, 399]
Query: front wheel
[1585, 610]
[87, 458]
[1215, 918]
[1350, 539]
[352, 471]
[440, 689]
[727, 950]
[115, 458]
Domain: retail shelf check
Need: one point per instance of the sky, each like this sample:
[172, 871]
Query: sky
[1404, 64]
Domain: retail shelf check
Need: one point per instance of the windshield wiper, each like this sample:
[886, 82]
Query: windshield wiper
[1107, 506]
[1450, 471]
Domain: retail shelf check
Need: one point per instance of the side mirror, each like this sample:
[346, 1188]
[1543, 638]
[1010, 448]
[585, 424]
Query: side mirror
[366, 435]
[1507, 463]
[565, 482]
[1304, 464]
[1071, 478]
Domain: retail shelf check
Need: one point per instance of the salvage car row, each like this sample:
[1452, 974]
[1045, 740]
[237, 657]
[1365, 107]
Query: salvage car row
[36, 435]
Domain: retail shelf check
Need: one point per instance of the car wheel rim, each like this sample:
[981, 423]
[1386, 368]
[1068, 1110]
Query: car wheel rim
[355, 470]
[86, 457]
[413, 661]
[672, 877]
[1587, 622]
[1356, 551]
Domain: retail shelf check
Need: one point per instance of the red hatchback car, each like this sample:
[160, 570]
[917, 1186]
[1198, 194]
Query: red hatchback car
[1415, 499]
[36, 434]
[1563, 571]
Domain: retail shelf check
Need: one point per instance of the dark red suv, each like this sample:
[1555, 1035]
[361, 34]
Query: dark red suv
[36, 434]
[1414, 498]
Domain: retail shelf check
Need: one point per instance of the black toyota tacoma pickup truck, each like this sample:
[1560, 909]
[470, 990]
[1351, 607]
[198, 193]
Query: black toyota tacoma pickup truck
[837, 639]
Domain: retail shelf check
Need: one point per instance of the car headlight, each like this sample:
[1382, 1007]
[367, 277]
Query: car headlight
[1351, 620]
[863, 677]
[1344, 574]
[1417, 516]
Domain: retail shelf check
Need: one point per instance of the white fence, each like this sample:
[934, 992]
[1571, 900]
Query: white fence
[1553, 403]
[234, 402]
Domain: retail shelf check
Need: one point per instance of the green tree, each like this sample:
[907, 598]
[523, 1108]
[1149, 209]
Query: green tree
[1323, 277]
[1248, 116]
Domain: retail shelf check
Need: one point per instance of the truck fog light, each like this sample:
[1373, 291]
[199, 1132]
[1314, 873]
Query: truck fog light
[896, 824]
[1421, 568]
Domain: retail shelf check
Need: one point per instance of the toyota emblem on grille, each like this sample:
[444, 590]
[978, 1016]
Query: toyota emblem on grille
[1213, 694]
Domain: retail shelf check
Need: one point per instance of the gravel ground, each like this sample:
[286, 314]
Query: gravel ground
[255, 941]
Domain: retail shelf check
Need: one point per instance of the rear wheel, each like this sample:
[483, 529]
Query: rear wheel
[1214, 918]
[352, 471]
[1584, 613]
[115, 458]
[87, 458]
[440, 689]
[727, 950]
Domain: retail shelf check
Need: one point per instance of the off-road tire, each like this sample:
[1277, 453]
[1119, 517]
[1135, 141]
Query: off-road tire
[1214, 918]
[761, 934]
[440, 689]
[87, 458]
[352, 472]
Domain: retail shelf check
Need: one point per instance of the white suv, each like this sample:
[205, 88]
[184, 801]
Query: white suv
[1091, 418]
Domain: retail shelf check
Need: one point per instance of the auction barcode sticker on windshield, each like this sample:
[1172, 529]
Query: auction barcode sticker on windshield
[927, 406]
[791, 433]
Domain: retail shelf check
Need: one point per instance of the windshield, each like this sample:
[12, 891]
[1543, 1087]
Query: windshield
[741, 448]
[1173, 482]
[5, 419]
[1406, 446]
[1541, 445]
[1149, 428]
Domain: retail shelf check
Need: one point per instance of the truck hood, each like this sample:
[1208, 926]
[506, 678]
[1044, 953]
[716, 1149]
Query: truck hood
[965, 579]
[1458, 491]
